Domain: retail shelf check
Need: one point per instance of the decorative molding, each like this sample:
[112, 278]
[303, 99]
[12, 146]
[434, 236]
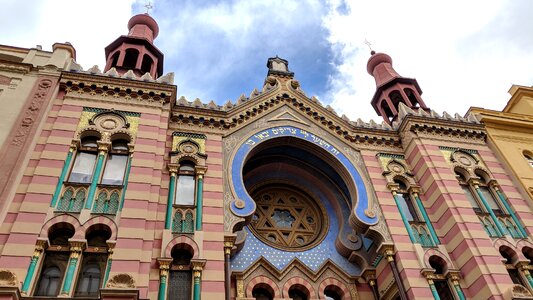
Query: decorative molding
[31, 112]
[121, 281]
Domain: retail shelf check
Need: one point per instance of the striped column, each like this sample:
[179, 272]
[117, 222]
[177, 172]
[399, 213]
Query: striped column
[164, 266]
[200, 171]
[39, 248]
[64, 171]
[75, 253]
[173, 170]
[102, 152]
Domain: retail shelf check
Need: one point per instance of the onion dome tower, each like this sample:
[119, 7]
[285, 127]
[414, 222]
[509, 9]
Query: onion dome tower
[136, 51]
[392, 89]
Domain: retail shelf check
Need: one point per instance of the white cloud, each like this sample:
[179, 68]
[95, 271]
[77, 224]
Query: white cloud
[88, 25]
[447, 46]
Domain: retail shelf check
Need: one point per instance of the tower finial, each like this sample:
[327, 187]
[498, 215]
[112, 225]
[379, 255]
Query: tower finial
[372, 52]
[148, 7]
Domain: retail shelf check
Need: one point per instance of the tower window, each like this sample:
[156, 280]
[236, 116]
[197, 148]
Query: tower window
[147, 64]
[130, 59]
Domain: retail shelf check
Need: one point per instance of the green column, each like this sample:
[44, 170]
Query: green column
[71, 270]
[196, 288]
[94, 182]
[511, 212]
[433, 290]
[125, 184]
[404, 219]
[107, 270]
[62, 177]
[31, 271]
[199, 201]
[459, 291]
[529, 278]
[162, 287]
[501, 231]
[170, 203]
[427, 220]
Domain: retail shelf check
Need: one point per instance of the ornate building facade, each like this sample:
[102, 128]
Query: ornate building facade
[126, 192]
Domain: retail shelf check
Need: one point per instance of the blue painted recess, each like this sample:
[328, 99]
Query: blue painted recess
[289, 131]
[314, 258]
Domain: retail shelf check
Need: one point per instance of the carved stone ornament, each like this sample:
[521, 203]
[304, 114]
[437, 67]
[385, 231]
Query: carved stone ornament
[31, 112]
[520, 292]
[7, 278]
[121, 281]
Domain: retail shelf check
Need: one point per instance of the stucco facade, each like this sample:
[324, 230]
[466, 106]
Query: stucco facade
[130, 193]
[511, 136]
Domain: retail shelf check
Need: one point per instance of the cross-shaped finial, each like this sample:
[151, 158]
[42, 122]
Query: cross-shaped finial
[368, 44]
[148, 7]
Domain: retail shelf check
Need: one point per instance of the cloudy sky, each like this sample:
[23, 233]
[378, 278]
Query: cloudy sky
[463, 53]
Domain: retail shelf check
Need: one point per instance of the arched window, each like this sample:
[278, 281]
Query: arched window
[297, 292]
[180, 276]
[440, 282]
[114, 59]
[130, 59]
[94, 262]
[333, 293]
[185, 188]
[467, 191]
[117, 160]
[55, 261]
[261, 293]
[529, 158]
[386, 109]
[488, 195]
[509, 260]
[82, 170]
[396, 98]
[147, 64]
[412, 98]
[407, 203]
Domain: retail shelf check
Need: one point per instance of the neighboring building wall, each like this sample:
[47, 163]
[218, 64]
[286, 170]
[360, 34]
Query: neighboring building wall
[511, 136]
[28, 82]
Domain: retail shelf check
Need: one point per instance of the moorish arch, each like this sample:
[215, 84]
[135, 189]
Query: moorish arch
[302, 200]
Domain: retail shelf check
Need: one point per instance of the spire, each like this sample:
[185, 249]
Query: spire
[136, 51]
[392, 88]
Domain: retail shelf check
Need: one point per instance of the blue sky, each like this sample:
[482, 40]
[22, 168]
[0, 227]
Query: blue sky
[463, 53]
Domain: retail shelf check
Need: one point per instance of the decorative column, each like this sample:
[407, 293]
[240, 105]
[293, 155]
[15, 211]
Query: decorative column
[240, 287]
[39, 248]
[499, 228]
[164, 266]
[429, 274]
[103, 147]
[76, 247]
[370, 277]
[503, 200]
[110, 250]
[126, 178]
[173, 170]
[415, 191]
[394, 189]
[64, 171]
[200, 171]
[453, 276]
[229, 242]
[389, 255]
[197, 267]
